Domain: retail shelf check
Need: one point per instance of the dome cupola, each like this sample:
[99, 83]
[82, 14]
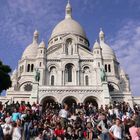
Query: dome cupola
[68, 25]
[96, 45]
[31, 50]
[107, 51]
[42, 44]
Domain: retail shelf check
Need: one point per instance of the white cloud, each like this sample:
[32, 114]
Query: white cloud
[126, 44]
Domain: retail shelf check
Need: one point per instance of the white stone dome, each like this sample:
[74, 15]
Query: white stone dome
[96, 45]
[30, 51]
[107, 51]
[68, 26]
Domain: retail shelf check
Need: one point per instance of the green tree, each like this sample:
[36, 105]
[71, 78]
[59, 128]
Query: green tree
[5, 81]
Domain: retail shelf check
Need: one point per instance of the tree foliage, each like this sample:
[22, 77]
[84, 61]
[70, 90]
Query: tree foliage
[5, 81]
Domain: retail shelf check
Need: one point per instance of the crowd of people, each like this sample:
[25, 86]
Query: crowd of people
[117, 121]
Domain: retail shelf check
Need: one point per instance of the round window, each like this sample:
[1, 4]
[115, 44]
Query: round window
[28, 87]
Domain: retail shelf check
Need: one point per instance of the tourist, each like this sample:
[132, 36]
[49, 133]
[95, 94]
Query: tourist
[7, 130]
[39, 137]
[83, 121]
[15, 115]
[134, 131]
[64, 116]
[103, 127]
[17, 135]
[1, 131]
[88, 134]
[59, 132]
[116, 130]
[48, 133]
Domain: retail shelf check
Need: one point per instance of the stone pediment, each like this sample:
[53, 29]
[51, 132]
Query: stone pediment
[84, 53]
[55, 52]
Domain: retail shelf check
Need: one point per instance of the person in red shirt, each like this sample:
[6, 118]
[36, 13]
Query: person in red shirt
[59, 132]
[22, 108]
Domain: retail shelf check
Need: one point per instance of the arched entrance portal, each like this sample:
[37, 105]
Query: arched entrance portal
[48, 102]
[91, 100]
[70, 101]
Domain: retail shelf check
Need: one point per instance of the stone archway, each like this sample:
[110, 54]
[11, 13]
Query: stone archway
[70, 101]
[47, 102]
[92, 100]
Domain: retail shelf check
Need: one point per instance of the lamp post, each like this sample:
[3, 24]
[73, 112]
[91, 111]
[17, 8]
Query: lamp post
[37, 79]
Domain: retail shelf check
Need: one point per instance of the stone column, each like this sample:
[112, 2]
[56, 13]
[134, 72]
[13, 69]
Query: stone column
[63, 72]
[75, 46]
[106, 95]
[63, 48]
[62, 77]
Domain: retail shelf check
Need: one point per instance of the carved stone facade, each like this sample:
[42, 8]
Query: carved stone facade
[69, 69]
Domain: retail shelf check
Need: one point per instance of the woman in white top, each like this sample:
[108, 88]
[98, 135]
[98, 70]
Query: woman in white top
[17, 131]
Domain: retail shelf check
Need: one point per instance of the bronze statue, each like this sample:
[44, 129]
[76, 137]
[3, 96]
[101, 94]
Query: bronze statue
[102, 74]
[37, 76]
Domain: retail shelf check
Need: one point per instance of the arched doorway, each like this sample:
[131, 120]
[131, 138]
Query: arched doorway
[70, 101]
[91, 100]
[48, 102]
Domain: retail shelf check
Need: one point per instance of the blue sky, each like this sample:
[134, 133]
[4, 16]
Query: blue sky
[120, 20]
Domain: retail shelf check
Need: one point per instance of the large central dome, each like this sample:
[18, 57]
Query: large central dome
[68, 25]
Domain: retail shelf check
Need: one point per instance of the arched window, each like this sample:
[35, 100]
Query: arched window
[28, 68]
[40, 64]
[111, 87]
[22, 68]
[105, 67]
[86, 80]
[52, 80]
[32, 67]
[69, 73]
[109, 68]
[69, 47]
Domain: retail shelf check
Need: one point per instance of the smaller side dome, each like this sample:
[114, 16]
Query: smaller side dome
[107, 51]
[96, 45]
[31, 50]
[42, 44]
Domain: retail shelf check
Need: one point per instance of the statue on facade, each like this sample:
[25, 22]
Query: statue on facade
[37, 75]
[102, 74]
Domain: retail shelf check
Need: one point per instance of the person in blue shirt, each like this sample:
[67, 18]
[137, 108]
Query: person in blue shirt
[15, 115]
